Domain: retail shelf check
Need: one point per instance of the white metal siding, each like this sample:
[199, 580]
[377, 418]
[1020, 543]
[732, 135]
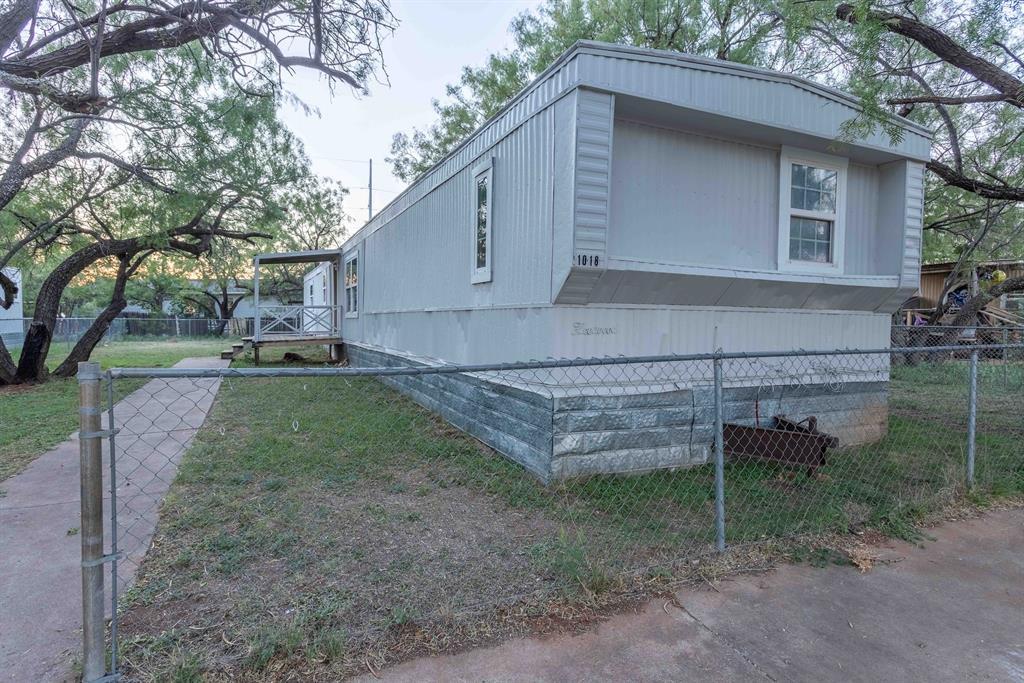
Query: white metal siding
[680, 198]
[540, 95]
[651, 331]
[516, 334]
[593, 171]
[744, 94]
[423, 260]
[563, 210]
[560, 186]
[864, 253]
[912, 226]
[747, 95]
[686, 199]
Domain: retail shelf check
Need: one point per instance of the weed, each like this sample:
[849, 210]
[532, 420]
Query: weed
[270, 642]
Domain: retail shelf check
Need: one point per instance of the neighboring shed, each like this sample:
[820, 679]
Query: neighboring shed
[933, 279]
[636, 202]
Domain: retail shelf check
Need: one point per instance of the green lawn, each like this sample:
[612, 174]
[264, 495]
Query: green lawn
[35, 418]
[318, 524]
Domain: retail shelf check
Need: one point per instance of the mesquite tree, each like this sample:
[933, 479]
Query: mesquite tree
[957, 68]
[209, 171]
[154, 113]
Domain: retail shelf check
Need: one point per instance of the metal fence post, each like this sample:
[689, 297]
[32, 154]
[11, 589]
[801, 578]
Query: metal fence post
[91, 463]
[719, 459]
[972, 416]
[114, 553]
[1006, 357]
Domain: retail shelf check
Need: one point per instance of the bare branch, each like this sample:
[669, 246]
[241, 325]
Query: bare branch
[941, 99]
[944, 47]
[982, 189]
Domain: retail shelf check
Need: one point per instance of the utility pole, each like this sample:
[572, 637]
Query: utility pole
[370, 186]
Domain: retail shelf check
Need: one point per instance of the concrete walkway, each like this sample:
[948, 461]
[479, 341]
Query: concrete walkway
[40, 551]
[950, 611]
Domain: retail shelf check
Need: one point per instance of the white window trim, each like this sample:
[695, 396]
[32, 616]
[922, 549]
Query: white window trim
[481, 275]
[352, 256]
[793, 155]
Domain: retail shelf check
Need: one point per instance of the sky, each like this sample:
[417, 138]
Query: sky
[433, 41]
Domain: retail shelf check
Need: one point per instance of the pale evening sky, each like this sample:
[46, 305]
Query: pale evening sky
[433, 41]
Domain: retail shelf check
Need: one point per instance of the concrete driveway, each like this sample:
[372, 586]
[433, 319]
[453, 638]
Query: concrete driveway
[952, 610]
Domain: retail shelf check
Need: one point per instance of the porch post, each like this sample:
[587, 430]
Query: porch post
[256, 299]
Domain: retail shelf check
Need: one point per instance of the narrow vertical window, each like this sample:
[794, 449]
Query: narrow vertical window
[482, 220]
[352, 285]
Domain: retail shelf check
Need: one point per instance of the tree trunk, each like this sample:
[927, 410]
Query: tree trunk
[32, 363]
[969, 313]
[88, 341]
[227, 311]
[7, 367]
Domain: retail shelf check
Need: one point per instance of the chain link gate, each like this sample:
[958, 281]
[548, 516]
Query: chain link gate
[720, 451]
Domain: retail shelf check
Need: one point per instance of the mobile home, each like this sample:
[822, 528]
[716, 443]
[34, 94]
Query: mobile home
[637, 202]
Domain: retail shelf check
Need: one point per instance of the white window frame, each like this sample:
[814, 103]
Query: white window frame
[485, 169]
[788, 157]
[352, 256]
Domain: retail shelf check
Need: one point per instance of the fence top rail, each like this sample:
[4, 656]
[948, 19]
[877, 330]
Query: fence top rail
[959, 327]
[156, 373]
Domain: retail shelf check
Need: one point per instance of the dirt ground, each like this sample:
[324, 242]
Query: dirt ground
[949, 609]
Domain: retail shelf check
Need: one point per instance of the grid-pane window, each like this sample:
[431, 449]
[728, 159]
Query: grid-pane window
[813, 197]
[813, 189]
[810, 240]
[352, 285]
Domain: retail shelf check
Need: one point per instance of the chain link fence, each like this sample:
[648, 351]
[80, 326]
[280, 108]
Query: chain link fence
[306, 523]
[67, 331]
[944, 335]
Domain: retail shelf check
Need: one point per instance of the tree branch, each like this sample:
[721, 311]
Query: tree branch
[982, 189]
[941, 99]
[944, 47]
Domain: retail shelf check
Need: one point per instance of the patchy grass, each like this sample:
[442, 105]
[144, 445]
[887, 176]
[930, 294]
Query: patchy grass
[35, 418]
[330, 526]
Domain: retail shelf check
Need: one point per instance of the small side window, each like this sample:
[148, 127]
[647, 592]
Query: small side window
[352, 285]
[483, 200]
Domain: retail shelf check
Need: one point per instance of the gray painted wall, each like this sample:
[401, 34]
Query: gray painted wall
[689, 199]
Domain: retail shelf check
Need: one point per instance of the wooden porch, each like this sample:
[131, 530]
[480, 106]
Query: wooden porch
[294, 324]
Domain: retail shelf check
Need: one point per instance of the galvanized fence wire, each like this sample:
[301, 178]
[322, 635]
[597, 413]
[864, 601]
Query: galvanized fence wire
[67, 331]
[317, 513]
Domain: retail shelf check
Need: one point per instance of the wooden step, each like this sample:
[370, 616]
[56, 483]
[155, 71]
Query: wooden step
[227, 354]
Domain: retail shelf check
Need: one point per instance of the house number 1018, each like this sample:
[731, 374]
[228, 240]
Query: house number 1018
[589, 260]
